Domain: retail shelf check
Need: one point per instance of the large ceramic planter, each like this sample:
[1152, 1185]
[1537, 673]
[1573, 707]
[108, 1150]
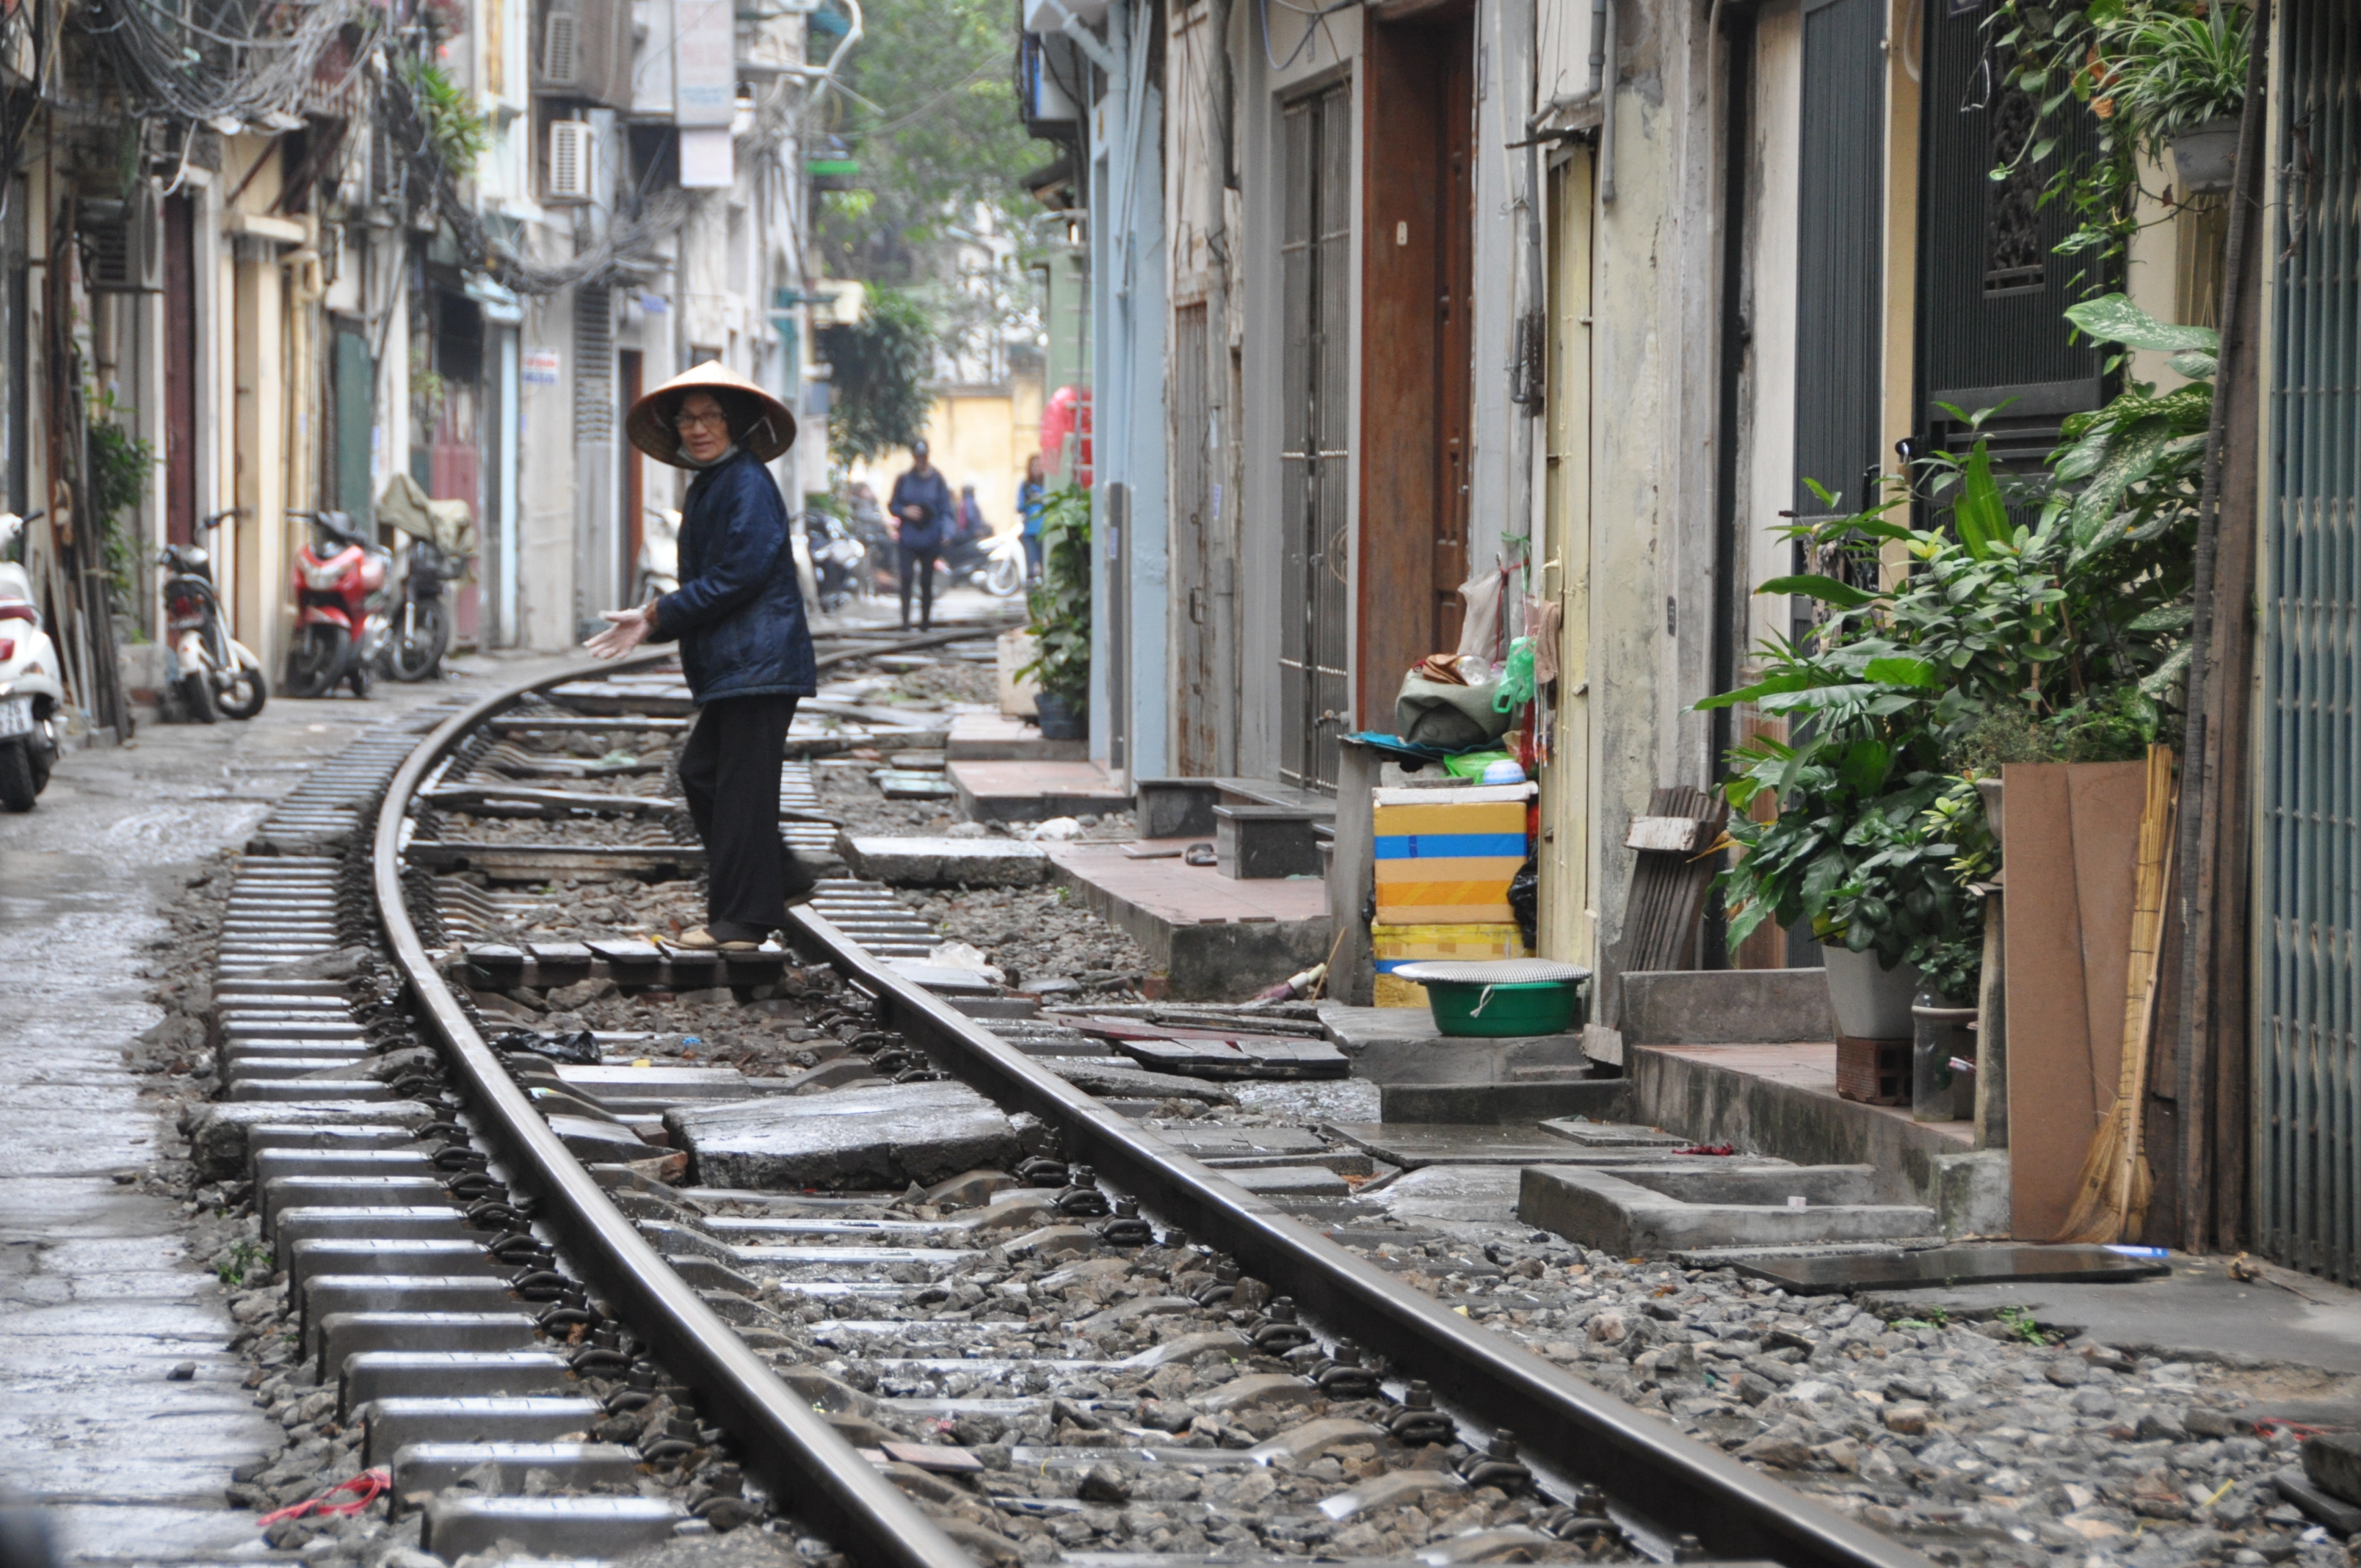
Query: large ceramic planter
[1869, 1002]
[2207, 158]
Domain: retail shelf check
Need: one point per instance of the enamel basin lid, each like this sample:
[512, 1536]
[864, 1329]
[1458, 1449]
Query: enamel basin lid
[1492, 971]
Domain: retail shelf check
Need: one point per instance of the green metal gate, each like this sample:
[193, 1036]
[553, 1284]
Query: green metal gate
[2306, 1089]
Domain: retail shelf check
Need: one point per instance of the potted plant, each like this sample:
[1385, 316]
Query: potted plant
[2061, 639]
[2172, 78]
[1059, 612]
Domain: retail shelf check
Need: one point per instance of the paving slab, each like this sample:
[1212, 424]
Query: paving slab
[1415, 1145]
[1034, 791]
[1401, 1045]
[1284, 1181]
[946, 862]
[998, 738]
[2198, 1311]
[862, 1138]
[99, 1293]
[1648, 1211]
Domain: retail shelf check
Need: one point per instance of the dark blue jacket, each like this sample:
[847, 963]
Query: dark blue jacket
[738, 611]
[932, 492]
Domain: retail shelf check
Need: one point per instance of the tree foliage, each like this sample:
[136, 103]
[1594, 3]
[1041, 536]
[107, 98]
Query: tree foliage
[939, 132]
[878, 398]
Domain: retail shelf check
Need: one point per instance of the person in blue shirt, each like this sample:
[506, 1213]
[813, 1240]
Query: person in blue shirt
[745, 647]
[1028, 507]
[925, 515]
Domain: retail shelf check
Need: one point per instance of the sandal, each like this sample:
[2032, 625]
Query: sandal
[701, 941]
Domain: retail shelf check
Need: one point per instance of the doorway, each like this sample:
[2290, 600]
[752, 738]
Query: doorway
[1190, 401]
[179, 371]
[629, 367]
[1418, 279]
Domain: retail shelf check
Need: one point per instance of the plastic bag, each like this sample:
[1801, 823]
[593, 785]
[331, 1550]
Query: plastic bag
[1428, 713]
[1479, 623]
[577, 1049]
[1516, 687]
[1524, 902]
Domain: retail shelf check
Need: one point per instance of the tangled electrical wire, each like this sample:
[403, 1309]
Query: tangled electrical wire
[249, 61]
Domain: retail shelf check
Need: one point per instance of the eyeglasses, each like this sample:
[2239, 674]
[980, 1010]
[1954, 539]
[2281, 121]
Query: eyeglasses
[686, 421]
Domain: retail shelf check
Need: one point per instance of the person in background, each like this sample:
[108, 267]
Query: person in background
[972, 527]
[923, 511]
[1028, 507]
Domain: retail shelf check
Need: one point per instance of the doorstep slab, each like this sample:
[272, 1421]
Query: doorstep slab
[1216, 937]
[1649, 1211]
[1032, 790]
[945, 862]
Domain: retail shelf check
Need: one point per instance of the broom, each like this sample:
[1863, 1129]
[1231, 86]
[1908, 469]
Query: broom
[2112, 1192]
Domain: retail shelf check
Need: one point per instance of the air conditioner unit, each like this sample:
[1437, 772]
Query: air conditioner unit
[572, 155]
[126, 243]
[561, 47]
[586, 48]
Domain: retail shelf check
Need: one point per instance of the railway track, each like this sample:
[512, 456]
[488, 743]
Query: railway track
[1027, 1330]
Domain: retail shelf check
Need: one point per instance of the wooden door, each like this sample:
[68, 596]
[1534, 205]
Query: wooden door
[1417, 369]
[1568, 792]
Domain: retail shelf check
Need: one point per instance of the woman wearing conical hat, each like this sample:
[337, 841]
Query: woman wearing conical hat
[744, 645]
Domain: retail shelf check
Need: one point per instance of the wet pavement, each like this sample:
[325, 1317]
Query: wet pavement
[100, 1299]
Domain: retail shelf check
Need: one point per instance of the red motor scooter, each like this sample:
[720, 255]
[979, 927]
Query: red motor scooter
[339, 595]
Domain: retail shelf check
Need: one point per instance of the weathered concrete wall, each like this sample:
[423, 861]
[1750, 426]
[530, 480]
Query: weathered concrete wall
[1709, 1007]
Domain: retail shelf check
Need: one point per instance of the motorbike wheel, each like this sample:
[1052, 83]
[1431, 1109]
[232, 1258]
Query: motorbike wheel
[246, 693]
[359, 678]
[1004, 577]
[197, 688]
[413, 657]
[317, 661]
[43, 757]
[18, 789]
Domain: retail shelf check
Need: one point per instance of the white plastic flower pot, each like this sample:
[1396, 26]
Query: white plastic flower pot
[1869, 1002]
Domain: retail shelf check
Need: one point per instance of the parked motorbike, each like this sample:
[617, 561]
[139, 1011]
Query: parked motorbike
[31, 690]
[418, 624]
[216, 674]
[880, 547]
[340, 627]
[995, 562]
[836, 558]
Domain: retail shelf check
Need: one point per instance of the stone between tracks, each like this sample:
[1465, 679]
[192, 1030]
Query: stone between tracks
[886, 1137]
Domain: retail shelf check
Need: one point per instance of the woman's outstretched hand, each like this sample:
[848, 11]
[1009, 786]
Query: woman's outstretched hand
[626, 630]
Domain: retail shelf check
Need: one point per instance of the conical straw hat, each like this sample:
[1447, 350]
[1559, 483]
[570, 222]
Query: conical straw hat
[650, 427]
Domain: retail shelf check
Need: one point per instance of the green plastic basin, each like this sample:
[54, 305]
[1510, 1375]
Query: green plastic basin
[1501, 999]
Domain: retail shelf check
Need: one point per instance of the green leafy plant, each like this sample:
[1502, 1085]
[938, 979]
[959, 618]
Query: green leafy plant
[2019, 1324]
[121, 466]
[242, 1260]
[2063, 639]
[878, 396]
[457, 132]
[1059, 609]
[2145, 70]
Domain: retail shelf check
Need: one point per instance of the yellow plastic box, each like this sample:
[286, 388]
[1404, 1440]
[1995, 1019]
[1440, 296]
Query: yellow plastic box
[1396, 945]
[1445, 856]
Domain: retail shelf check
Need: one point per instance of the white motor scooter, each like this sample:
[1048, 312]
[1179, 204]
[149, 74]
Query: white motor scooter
[29, 688]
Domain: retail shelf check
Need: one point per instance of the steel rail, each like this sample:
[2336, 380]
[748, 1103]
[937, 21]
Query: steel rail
[1642, 1462]
[811, 1472]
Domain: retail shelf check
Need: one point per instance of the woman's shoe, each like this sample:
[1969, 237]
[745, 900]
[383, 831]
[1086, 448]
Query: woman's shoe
[701, 941]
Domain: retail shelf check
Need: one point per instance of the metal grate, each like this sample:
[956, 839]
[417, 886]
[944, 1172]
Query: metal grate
[2307, 1059]
[1314, 457]
[594, 366]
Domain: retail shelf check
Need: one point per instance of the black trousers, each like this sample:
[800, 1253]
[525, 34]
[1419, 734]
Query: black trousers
[729, 771]
[922, 562]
